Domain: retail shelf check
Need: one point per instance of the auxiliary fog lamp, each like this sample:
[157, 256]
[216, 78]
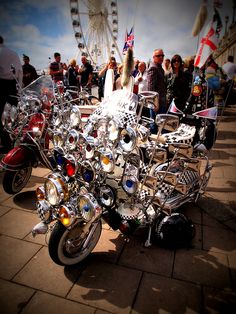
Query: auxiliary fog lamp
[88, 206]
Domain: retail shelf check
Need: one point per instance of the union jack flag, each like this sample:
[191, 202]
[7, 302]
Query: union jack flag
[129, 40]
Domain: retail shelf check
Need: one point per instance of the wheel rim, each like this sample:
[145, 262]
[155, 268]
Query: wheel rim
[70, 245]
[21, 178]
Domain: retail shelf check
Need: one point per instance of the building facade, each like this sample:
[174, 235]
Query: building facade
[227, 46]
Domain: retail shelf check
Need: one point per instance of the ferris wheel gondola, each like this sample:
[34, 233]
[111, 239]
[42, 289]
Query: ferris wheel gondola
[95, 25]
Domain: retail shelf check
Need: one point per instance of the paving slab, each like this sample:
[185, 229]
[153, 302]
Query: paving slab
[4, 210]
[42, 273]
[47, 303]
[152, 259]
[13, 297]
[109, 246]
[219, 301]
[219, 240]
[157, 294]
[17, 223]
[14, 254]
[201, 267]
[106, 286]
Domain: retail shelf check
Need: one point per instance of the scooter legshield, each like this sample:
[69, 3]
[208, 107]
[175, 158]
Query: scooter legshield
[18, 157]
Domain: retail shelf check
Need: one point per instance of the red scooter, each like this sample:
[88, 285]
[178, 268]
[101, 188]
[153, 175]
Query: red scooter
[31, 136]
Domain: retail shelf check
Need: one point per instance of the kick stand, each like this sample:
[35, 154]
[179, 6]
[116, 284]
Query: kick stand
[148, 241]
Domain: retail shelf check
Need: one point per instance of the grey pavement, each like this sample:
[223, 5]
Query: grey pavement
[121, 275]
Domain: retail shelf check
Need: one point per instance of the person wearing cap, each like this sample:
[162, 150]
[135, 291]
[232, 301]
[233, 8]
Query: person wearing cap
[29, 72]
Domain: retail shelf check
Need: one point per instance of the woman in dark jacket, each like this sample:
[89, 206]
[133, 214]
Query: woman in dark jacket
[178, 83]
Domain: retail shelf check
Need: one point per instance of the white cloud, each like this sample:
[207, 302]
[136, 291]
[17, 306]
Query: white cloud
[163, 23]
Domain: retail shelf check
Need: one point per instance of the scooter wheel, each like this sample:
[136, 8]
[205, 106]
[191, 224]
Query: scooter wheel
[66, 246]
[14, 181]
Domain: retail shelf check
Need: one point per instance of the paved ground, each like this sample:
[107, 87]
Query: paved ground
[121, 276]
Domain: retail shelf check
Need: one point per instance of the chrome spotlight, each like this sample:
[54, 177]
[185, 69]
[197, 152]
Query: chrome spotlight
[130, 183]
[88, 206]
[128, 138]
[75, 116]
[107, 160]
[58, 139]
[106, 196]
[70, 165]
[87, 172]
[59, 156]
[113, 130]
[72, 139]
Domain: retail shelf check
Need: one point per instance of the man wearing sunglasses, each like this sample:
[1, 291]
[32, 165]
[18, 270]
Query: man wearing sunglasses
[156, 83]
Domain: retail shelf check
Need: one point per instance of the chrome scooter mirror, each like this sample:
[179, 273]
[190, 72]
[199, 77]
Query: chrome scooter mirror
[167, 121]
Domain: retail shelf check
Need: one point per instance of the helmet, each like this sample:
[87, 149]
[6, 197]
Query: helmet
[175, 230]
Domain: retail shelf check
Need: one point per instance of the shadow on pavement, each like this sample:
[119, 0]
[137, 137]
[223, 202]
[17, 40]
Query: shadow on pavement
[25, 200]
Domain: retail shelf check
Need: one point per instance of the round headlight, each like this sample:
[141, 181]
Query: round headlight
[75, 116]
[55, 190]
[107, 161]
[58, 139]
[88, 206]
[70, 165]
[66, 216]
[87, 172]
[89, 151]
[72, 139]
[130, 184]
[113, 130]
[59, 156]
[106, 196]
[128, 139]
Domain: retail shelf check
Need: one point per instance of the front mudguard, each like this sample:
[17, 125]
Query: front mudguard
[19, 157]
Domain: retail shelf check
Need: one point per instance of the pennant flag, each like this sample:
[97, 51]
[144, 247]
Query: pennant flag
[208, 44]
[174, 109]
[129, 40]
[210, 113]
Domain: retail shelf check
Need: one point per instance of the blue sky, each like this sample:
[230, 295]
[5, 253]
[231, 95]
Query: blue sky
[39, 28]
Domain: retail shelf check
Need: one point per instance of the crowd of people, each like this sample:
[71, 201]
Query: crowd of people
[172, 78]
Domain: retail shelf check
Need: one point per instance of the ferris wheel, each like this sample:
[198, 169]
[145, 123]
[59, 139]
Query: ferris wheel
[95, 25]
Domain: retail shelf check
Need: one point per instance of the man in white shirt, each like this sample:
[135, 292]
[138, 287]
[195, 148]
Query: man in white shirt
[141, 77]
[229, 68]
[8, 86]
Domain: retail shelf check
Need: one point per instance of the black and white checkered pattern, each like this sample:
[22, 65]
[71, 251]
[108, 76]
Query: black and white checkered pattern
[126, 118]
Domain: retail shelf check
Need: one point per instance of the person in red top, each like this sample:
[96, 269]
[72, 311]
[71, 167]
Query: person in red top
[56, 68]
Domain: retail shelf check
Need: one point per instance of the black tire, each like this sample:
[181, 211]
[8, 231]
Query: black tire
[14, 181]
[57, 244]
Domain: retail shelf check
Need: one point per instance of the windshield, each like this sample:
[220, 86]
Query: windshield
[41, 87]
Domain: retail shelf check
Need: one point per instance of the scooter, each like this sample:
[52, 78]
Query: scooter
[28, 126]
